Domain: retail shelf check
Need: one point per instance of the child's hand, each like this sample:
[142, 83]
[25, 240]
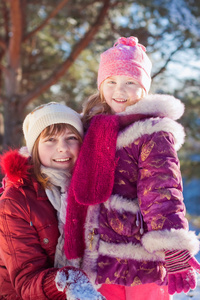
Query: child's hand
[181, 267]
[76, 285]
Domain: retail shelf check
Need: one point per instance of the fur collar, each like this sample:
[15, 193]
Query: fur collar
[163, 111]
[157, 105]
[15, 166]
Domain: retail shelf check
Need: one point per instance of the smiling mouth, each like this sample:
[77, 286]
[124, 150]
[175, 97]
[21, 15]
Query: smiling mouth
[61, 159]
[120, 100]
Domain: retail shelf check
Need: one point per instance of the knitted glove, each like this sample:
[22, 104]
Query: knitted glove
[76, 285]
[181, 268]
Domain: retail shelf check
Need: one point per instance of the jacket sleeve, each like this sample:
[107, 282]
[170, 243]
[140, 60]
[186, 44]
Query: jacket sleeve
[160, 195]
[31, 273]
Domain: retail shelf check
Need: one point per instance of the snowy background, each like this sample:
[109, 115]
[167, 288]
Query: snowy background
[192, 202]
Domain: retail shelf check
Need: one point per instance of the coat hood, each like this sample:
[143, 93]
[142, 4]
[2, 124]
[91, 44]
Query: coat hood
[157, 105]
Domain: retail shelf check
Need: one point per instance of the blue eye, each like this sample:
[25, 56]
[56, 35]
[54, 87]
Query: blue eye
[110, 82]
[50, 139]
[72, 137]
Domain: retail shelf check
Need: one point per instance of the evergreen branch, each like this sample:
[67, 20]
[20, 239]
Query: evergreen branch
[42, 25]
[77, 49]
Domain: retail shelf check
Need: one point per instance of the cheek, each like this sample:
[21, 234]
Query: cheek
[40, 149]
[107, 92]
[42, 152]
[76, 151]
[137, 93]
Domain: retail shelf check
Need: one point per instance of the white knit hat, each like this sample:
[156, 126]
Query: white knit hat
[45, 115]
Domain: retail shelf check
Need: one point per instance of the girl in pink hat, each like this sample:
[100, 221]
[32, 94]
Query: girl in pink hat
[127, 186]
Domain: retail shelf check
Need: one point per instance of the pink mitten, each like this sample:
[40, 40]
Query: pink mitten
[181, 268]
[76, 285]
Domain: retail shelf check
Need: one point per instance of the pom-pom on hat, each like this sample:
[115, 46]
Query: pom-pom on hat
[127, 57]
[46, 115]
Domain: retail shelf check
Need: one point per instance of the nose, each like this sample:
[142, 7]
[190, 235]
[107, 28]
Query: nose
[62, 146]
[119, 88]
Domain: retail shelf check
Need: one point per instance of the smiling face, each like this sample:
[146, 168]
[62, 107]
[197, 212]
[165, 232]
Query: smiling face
[59, 151]
[121, 91]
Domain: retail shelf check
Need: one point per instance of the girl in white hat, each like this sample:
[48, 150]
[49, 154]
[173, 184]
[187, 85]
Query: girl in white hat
[33, 206]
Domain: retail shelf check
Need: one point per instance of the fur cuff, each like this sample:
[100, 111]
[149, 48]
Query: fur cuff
[174, 239]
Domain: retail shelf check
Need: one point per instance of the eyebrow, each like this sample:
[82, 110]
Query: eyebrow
[109, 78]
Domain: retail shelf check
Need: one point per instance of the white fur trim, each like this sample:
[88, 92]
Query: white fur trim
[89, 264]
[91, 255]
[150, 126]
[129, 251]
[76, 262]
[121, 204]
[157, 105]
[173, 239]
[123, 251]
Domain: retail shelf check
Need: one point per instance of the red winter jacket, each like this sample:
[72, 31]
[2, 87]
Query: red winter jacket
[28, 235]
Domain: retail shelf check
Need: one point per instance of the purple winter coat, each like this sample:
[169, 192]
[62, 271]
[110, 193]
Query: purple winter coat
[127, 235]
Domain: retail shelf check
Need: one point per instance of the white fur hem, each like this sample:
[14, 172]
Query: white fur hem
[129, 251]
[90, 256]
[174, 239]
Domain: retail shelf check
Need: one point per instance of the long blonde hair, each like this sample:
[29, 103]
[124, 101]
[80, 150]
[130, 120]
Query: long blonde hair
[94, 105]
[54, 129]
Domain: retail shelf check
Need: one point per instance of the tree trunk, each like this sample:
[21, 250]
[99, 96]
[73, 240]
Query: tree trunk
[12, 123]
[12, 78]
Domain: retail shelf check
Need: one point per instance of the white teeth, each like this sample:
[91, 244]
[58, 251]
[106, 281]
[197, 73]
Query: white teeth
[117, 100]
[61, 159]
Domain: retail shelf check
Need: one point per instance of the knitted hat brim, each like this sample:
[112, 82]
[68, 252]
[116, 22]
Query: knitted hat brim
[127, 69]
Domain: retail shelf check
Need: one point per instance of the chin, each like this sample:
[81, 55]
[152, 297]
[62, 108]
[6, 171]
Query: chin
[119, 110]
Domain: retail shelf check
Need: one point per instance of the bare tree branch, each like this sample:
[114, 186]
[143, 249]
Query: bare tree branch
[61, 70]
[166, 62]
[52, 15]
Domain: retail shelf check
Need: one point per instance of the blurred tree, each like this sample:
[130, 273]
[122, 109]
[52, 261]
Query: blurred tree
[38, 46]
[190, 154]
[49, 50]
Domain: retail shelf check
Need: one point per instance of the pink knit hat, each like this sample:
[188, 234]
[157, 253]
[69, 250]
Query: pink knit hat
[127, 57]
